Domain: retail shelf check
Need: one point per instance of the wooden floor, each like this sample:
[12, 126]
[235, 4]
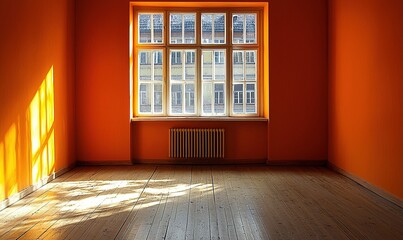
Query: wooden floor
[202, 202]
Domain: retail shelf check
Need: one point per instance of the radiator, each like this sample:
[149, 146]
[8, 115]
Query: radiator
[196, 143]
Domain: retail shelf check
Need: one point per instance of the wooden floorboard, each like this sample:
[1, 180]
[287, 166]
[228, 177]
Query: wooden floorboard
[202, 202]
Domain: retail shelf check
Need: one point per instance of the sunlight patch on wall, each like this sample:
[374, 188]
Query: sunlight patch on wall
[41, 118]
[27, 149]
[11, 160]
[2, 170]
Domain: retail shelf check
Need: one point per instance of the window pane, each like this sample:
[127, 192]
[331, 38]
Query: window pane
[145, 28]
[207, 25]
[250, 66]
[189, 98]
[176, 98]
[213, 28]
[250, 28]
[176, 69]
[237, 28]
[176, 28]
[190, 65]
[219, 65]
[238, 66]
[244, 28]
[182, 28]
[158, 25]
[151, 28]
[237, 99]
[189, 21]
[207, 68]
[144, 63]
[250, 98]
[145, 97]
[158, 98]
[207, 96]
[219, 98]
[158, 65]
[219, 28]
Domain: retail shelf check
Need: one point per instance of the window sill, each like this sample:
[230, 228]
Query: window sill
[201, 119]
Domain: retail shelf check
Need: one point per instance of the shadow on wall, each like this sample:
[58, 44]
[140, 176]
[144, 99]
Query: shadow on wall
[27, 149]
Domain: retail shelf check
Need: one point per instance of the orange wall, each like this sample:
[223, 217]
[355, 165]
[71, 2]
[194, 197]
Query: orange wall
[298, 80]
[298, 86]
[365, 90]
[36, 91]
[102, 80]
[246, 142]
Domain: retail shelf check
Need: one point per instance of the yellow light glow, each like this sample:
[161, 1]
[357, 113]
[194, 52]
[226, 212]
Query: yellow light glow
[11, 161]
[41, 115]
[50, 104]
[51, 153]
[35, 125]
[42, 118]
[2, 168]
[44, 162]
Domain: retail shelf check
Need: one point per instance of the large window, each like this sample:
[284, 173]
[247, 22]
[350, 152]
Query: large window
[197, 63]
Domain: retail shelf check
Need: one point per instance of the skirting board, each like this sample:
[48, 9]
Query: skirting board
[25, 192]
[306, 163]
[388, 196]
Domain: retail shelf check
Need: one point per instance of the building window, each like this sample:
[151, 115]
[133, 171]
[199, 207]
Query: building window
[184, 72]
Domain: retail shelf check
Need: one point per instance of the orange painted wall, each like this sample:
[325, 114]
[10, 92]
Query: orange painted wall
[298, 83]
[298, 80]
[36, 91]
[246, 142]
[365, 90]
[102, 80]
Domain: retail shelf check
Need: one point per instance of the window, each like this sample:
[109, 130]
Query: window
[196, 63]
[190, 57]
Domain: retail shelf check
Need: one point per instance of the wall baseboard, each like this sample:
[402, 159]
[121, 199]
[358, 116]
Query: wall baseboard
[25, 192]
[378, 191]
[104, 163]
[302, 163]
[199, 161]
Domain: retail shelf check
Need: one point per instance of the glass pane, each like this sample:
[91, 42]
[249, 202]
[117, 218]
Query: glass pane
[189, 21]
[219, 98]
[158, 98]
[219, 28]
[182, 28]
[238, 67]
[250, 65]
[158, 25]
[190, 65]
[219, 64]
[176, 28]
[176, 98]
[158, 65]
[207, 103]
[145, 97]
[237, 98]
[145, 28]
[176, 71]
[250, 28]
[250, 98]
[207, 21]
[237, 28]
[207, 68]
[144, 63]
[189, 98]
